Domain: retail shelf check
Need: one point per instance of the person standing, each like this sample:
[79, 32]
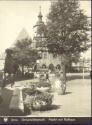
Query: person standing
[47, 76]
[35, 67]
[1, 95]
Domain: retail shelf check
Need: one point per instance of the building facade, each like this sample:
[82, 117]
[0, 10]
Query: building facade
[39, 41]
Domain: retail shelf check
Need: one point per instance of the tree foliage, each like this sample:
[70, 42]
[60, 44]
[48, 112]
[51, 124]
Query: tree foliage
[41, 30]
[24, 54]
[67, 29]
[23, 43]
[20, 55]
[11, 65]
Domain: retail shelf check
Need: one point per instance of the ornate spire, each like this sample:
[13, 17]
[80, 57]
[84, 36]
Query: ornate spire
[40, 9]
[40, 14]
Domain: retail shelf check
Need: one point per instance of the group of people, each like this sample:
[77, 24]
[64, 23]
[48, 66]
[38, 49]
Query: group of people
[59, 79]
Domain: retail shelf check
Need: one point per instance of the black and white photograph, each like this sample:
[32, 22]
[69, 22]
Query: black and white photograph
[45, 60]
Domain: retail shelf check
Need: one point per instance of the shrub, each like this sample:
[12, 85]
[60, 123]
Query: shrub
[44, 83]
[42, 101]
[36, 100]
[29, 75]
[30, 92]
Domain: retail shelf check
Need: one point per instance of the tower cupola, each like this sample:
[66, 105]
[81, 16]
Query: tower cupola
[40, 15]
[40, 28]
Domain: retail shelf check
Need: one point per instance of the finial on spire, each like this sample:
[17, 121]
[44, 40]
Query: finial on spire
[40, 14]
[40, 8]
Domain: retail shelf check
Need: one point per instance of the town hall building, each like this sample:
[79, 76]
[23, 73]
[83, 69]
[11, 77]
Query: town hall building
[39, 41]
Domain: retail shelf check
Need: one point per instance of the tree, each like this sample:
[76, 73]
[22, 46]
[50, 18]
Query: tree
[67, 27]
[10, 66]
[41, 30]
[24, 54]
[23, 43]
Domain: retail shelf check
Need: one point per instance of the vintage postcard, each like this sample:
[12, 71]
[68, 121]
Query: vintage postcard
[45, 61]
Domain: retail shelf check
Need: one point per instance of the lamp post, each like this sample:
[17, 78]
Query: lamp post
[83, 64]
[83, 68]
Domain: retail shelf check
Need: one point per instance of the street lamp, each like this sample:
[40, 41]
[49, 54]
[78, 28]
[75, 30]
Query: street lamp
[83, 67]
[83, 64]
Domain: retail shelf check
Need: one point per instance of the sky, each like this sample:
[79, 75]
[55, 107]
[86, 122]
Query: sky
[16, 15]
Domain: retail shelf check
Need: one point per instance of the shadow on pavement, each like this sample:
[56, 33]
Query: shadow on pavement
[66, 93]
[52, 107]
[4, 105]
[55, 107]
[6, 97]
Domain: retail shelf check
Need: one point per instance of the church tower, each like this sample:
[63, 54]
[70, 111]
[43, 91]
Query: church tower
[39, 27]
[39, 31]
[39, 38]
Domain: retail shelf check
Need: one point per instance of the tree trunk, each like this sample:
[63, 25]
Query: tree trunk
[63, 65]
[64, 72]
[22, 70]
[63, 78]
